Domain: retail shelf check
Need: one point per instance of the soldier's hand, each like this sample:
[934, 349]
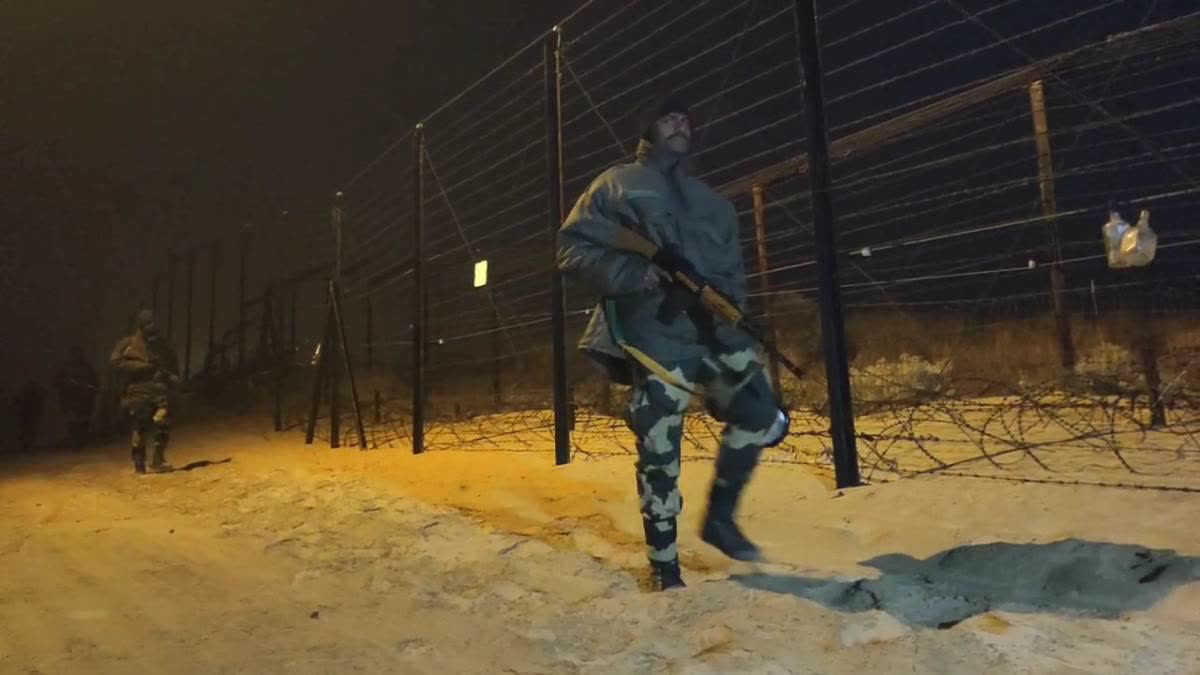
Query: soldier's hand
[671, 261]
[654, 277]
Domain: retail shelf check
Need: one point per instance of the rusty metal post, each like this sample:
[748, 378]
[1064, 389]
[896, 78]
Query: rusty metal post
[1045, 164]
[764, 284]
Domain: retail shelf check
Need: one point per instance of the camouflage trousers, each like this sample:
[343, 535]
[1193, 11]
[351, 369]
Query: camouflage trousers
[148, 418]
[738, 394]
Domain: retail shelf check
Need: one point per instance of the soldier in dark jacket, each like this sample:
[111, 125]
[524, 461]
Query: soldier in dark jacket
[648, 334]
[146, 370]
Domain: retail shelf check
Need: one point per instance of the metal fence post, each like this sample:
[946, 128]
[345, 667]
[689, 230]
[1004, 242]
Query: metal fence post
[335, 336]
[837, 371]
[418, 314]
[213, 261]
[1045, 164]
[171, 295]
[764, 285]
[370, 335]
[558, 310]
[187, 316]
[243, 254]
[292, 321]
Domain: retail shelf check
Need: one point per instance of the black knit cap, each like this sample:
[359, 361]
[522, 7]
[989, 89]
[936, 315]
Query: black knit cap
[655, 109]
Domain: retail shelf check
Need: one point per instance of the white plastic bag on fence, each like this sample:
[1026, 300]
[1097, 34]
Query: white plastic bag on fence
[1127, 246]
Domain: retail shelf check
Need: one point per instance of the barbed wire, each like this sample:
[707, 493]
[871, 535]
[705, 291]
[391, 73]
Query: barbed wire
[937, 221]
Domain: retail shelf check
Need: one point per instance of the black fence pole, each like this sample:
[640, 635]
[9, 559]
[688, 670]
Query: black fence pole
[335, 400]
[292, 322]
[335, 296]
[214, 261]
[187, 315]
[837, 371]
[558, 310]
[243, 254]
[278, 372]
[266, 314]
[337, 335]
[418, 313]
[171, 295]
[370, 335]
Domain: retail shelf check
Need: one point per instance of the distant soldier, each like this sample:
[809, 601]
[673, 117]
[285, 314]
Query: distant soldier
[146, 372]
[77, 385]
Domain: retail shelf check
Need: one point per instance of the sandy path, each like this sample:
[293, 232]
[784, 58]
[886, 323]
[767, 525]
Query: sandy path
[494, 562]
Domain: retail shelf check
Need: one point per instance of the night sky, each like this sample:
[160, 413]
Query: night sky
[125, 126]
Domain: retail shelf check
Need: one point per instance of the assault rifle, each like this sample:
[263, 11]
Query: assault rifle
[716, 303]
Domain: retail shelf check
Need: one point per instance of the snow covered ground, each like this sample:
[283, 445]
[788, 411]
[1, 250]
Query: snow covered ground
[300, 559]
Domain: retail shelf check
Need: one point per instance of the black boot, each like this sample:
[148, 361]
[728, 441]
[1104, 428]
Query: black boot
[720, 530]
[728, 539]
[665, 576]
[660, 540]
[139, 461]
[159, 463]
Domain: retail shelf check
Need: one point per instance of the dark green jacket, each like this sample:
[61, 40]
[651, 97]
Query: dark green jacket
[145, 369]
[655, 196]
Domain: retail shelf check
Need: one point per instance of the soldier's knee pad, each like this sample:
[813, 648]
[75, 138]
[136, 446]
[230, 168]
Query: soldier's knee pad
[754, 406]
[755, 410]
